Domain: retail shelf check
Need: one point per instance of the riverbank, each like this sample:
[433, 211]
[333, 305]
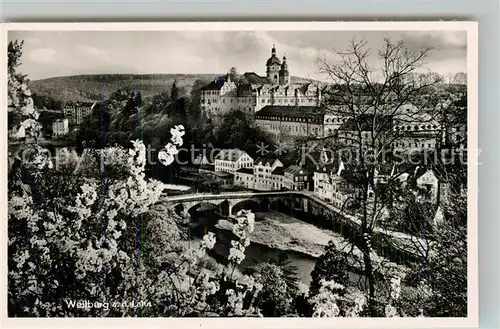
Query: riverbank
[279, 231]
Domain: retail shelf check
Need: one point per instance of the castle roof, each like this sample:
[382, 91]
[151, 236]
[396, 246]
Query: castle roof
[273, 60]
[254, 78]
[309, 112]
[216, 84]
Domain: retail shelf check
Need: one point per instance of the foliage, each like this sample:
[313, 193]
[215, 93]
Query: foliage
[279, 287]
[236, 130]
[331, 266]
[91, 229]
[371, 98]
[441, 282]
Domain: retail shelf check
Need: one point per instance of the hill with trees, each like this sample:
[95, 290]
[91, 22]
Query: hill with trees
[98, 87]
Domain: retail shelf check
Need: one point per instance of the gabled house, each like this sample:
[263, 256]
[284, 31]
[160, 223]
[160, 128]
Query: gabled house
[244, 177]
[427, 184]
[263, 169]
[296, 178]
[230, 160]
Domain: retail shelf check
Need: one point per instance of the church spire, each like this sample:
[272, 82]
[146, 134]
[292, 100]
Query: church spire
[273, 51]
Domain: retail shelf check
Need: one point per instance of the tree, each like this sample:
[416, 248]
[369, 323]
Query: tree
[439, 282]
[21, 111]
[174, 91]
[131, 105]
[195, 98]
[138, 99]
[332, 265]
[372, 98]
[233, 74]
[159, 103]
[460, 78]
[236, 129]
[276, 297]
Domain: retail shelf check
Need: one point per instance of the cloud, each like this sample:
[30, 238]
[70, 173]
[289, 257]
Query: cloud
[65, 53]
[92, 51]
[439, 40]
[33, 41]
[42, 55]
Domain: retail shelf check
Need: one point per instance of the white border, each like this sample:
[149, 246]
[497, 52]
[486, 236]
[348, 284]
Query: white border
[472, 75]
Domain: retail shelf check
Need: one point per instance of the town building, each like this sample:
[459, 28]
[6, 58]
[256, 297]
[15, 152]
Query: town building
[253, 92]
[416, 131]
[284, 123]
[244, 177]
[60, 127]
[428, 185]
[78, 111]
[331, 187]
[296, 178]
[263, 170]
[230, 160]
[278, 178]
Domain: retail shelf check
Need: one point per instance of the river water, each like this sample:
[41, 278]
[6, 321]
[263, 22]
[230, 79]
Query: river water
[256, 253]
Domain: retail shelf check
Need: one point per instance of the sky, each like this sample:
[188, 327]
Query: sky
[62, 53]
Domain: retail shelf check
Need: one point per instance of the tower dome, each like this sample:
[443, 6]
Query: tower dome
[284, 75]
[284, 65]
[273, 59]
[273, 66]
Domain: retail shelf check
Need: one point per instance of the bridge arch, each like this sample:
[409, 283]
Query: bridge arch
[247, 204]
[194, 208]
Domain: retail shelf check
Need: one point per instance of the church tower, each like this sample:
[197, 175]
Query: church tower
[284, 75]
[273, 66]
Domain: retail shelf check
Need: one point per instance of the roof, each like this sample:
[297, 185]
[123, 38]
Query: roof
[269, 160]
[216, 84]
[79, 104]
[201, 160]
[365, 123]
[273, 60]
[209, 167]
[327, 168]
[245, 171]
[254, 78]
[310, 112]
[423, 172]
[296, 170]
[229, 154]
[278, 171]
[222, 174]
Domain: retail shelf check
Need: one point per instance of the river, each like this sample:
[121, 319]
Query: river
[257, 252]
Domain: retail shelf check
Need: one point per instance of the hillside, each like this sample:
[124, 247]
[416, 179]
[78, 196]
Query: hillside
[99, 87]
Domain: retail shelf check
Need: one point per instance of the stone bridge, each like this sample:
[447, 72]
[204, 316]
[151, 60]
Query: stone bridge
[225, 202]
[398, 246]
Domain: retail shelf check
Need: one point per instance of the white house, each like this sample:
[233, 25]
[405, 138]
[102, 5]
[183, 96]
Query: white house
[230, 160]
[60, 127]
[263, 170]
[244, 177]
[277, 178]
[325, 181]
[428, 183]
[330, 187]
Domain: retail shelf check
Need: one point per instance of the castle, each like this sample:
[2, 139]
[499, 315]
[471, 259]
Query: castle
[252, 92]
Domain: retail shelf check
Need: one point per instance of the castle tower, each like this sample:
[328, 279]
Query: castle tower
[284, 75]
[273, 66]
